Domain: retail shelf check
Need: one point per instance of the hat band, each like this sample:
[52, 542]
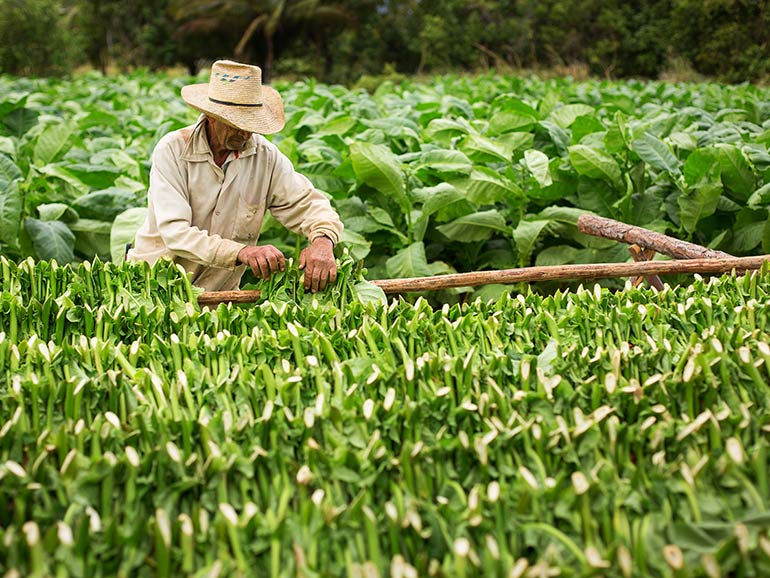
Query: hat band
[226, 103]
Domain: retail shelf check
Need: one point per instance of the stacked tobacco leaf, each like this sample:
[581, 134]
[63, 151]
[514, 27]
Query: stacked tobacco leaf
[580, 434]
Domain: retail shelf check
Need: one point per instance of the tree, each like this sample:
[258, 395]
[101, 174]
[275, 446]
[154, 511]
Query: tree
[266, 18]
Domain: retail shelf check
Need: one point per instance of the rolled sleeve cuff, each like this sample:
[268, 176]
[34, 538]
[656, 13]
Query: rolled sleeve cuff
[325, 232]
[227, 254]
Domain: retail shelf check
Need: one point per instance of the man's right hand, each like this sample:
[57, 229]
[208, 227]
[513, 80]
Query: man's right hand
[264, 260]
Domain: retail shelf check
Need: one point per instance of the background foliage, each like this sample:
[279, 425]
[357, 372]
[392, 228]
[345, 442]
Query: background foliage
[342, 40]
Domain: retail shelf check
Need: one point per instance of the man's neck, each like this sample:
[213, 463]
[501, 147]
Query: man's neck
[217, 149]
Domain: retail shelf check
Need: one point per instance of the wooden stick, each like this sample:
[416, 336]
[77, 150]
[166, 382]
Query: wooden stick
[529, 274]
[611, 229]
[573, 272]
[217, 297]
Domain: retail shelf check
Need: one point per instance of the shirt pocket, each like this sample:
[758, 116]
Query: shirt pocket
[248, 222]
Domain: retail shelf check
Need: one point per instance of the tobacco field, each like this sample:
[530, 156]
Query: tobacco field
[453, 175]
[612, 431]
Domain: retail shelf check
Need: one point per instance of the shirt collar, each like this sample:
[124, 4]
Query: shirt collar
[197, 148]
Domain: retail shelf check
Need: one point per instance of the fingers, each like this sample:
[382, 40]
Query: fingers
[302, 260]
[264, 267]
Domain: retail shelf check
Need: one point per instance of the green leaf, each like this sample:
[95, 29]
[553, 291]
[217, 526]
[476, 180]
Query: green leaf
[367, 292]
[20, 120]
[509, 121]
[9, 172]
[378, 167]
[595, 163]
[444, 161]
[737, 174]
[702, 167]
[557, 255]
[409, 262]
[526, 235]
[10, 213]
[57, 212]
[97, 177]
[358, 246]
[697, 204]
[474, 227]
[656, 153]
[51, 143]
[104, 205]
[51, 240]
[436, 198]
[567, 215]
[748, 230]
[483, 149]
[616, 139]
[538, 164]
[487, 187]
[123, 231]
[760, 197]
[564, 116]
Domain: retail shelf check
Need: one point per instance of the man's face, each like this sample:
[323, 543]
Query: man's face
[228, 137]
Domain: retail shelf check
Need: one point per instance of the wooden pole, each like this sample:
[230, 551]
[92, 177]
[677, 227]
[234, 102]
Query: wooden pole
[611, 229]
[530, 274]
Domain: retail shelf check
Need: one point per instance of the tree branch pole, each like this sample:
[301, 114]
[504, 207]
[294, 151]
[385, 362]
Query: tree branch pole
[531, 274]
[617, 231]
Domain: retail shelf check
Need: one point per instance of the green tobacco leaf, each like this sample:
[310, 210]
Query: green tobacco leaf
[509, 121]
[51, 143]
[538, 164]
[51, 240]
[483, 149]
[444, 161]
[737, 174]
[558, 255]
[369, 293]
[616, 139]
[702, 167]
[378, 167]
[124, 230]
[697, 204]
[568, 215]
[357, 244]
[565, 115]
[409, 262]
[57, 212]
[10, 213]
[20, 120]
[760, 197]
[748, 230]
[474, 227]
[104, 205]
[97, 177]
[436, 198]
[487, 187]
[526, 235]
[595, 163]
[9, 172]
[656, 153]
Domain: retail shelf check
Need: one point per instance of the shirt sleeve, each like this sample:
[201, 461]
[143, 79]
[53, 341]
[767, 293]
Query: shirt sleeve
[169, 199]
[299, 206]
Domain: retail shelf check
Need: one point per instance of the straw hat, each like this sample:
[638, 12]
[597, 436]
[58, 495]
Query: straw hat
[236, 96]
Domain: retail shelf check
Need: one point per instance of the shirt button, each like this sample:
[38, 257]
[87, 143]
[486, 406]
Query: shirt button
[217, 213]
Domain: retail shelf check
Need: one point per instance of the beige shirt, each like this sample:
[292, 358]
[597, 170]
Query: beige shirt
[201, 215]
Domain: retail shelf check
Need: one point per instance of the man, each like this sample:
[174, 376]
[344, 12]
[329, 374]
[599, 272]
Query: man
[211, 183]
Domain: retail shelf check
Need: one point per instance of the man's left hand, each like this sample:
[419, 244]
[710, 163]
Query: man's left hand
[318, 262]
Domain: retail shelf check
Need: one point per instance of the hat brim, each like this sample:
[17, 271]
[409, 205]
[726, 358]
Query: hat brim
[266, 119]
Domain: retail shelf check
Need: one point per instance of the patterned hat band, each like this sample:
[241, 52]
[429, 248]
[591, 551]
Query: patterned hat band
[233, 103]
